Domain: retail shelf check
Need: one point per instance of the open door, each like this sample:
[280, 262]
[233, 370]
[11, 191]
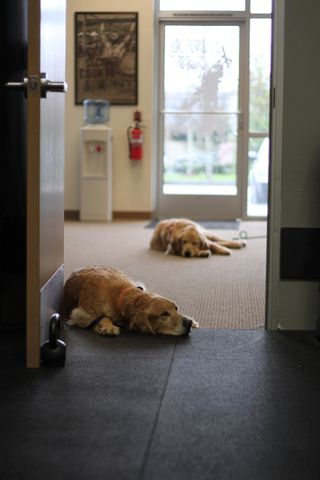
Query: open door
[45, 167]
[39, 170]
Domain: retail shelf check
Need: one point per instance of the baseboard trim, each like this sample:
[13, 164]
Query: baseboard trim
[75, 215]
[71, 215]
[132, 215]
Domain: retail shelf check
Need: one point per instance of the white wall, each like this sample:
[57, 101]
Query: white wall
[131, 180]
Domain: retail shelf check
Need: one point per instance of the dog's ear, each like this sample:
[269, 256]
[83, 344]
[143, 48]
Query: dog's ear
[140, 323]
[176, 246]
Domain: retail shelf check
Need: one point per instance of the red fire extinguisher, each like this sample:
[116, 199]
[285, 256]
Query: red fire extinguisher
[135, 137]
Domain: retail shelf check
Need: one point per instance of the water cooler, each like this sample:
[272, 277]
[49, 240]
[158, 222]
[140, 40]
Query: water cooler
[96, 163]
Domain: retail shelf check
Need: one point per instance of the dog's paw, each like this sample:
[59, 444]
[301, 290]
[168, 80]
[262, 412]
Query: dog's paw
[169, 250]
[104, 328]
[204, 254]
[195, 324]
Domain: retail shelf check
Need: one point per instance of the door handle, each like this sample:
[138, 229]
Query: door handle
[19, 86]
[41, 85]
[47, 86]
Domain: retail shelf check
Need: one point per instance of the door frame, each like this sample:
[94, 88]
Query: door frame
[276, 121]
[216, 17]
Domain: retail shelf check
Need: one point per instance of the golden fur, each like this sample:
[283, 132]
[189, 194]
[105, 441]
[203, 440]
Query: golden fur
[180, 236]
[94, 292]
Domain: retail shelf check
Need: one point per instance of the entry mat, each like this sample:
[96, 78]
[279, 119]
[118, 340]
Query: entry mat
[210, 225]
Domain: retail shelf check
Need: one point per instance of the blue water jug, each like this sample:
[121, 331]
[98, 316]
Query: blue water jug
[96, 111]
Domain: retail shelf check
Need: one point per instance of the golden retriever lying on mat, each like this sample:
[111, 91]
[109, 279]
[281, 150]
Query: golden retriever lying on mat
[105, 298]
[180, 236]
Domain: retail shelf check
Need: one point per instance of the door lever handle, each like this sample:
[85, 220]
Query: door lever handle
[45, 86]
[19, 86]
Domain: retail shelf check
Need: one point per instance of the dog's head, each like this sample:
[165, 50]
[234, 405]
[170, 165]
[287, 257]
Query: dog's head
[189, 241]
[151, 313]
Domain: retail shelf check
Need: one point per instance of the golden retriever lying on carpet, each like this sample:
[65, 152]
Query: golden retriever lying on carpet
[180, 236]
[105, 298]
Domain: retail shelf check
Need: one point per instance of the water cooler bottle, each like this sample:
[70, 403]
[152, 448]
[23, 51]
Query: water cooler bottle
[96, 163]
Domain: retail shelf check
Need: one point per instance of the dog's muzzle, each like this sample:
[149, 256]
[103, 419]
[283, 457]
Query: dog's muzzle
[187, 323]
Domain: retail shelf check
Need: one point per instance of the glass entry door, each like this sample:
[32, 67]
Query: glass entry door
[200, 121]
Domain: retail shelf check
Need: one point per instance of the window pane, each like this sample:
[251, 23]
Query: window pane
[258, 177]
[201, 70]
[200, 154]
[208, 5]
[201, 84]
[261, 6]
[260, 57]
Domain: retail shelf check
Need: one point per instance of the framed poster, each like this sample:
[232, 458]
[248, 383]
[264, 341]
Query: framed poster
[106, 50]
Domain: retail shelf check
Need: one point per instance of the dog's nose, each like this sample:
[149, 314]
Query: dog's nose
[187, 253]
[187, 323]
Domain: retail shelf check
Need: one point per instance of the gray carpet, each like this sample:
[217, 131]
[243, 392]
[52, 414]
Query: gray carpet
[220, 404]
[219, 292]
